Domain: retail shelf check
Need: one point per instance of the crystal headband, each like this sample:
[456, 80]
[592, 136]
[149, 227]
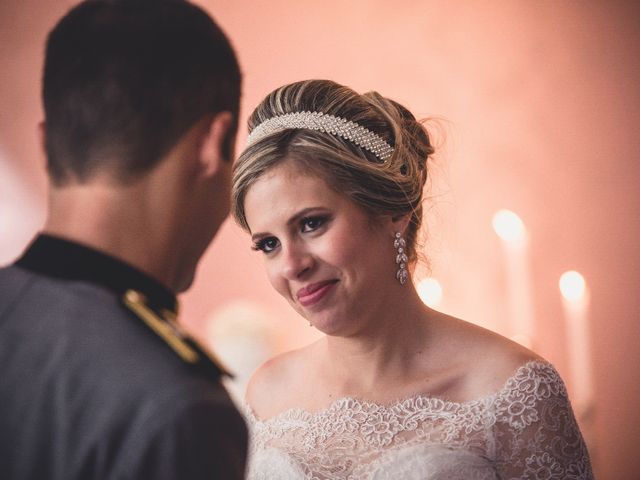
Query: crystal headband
[322, 122]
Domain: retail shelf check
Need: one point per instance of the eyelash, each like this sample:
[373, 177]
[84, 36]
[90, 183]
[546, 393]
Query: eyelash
[261, 245]
[320, 220]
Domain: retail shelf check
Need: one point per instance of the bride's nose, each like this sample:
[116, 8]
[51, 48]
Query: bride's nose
[296, 262]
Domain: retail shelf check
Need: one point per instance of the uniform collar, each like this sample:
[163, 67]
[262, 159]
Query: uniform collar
[68, 260]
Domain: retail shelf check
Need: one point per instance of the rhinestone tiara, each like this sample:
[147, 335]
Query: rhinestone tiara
[326, 123]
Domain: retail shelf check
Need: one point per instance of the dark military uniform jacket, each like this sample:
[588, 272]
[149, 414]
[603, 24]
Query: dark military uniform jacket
[96, 382]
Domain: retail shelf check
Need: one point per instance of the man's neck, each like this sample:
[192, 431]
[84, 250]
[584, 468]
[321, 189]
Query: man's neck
[122, 222]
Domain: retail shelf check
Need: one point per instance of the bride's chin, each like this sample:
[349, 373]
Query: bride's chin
[329, 326]
[327, 320]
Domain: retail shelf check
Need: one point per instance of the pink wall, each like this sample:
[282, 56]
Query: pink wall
[541, 106]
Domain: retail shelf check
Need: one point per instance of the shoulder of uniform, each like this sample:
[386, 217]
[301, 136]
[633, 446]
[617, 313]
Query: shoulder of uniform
[164, 325]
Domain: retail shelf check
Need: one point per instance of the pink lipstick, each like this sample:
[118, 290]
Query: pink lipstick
[313, 293]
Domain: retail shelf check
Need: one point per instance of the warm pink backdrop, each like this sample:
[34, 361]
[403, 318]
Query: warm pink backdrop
[541, 106]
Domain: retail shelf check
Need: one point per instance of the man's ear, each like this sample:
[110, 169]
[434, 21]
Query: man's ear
[217, 143]
[42, 137]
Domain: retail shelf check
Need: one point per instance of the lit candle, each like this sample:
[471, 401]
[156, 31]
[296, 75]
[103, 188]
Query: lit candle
[242, 335]
[430, 291]
[511, 230]
[575, 301]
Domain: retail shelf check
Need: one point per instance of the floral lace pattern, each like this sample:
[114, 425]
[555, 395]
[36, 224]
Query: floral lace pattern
[526, 430]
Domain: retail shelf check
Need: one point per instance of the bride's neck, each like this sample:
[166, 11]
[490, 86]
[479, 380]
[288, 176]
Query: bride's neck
[385, 350]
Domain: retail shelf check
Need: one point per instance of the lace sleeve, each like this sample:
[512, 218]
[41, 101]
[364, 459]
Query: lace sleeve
[536, 433]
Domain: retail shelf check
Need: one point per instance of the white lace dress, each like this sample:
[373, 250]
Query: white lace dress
[527, 430]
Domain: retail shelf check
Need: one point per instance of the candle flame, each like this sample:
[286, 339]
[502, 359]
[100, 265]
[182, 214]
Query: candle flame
[430, 291]
[508, 226]
[572, 286]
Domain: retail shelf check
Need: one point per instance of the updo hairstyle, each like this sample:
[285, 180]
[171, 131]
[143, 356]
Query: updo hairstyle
[390, 187]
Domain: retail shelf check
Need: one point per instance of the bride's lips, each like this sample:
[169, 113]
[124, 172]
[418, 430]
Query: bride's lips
[314, 292]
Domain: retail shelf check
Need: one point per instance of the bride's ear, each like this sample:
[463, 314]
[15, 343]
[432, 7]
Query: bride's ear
[217, 146]
[399, 223]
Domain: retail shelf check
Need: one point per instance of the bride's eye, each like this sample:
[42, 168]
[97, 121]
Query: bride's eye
[266, 245]
[310, 224]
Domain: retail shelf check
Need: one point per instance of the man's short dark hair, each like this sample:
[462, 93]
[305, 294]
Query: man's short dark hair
[125, 79]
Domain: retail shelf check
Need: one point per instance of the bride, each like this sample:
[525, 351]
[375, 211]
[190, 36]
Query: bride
[330, 189]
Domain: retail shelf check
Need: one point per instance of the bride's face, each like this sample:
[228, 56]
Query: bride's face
[321, 251]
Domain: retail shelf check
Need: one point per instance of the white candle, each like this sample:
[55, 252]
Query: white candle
[511, 230]
[575, 302]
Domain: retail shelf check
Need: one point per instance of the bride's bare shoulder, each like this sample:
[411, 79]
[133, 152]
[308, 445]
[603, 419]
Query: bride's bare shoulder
[270, 388]
[488, 359]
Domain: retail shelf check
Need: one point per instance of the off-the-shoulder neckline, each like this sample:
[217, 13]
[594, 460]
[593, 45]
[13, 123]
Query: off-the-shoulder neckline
[302, 413]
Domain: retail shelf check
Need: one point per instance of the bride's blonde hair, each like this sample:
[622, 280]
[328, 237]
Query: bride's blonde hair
[390, 187]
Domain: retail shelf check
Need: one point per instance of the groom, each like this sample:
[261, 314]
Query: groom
[97, 380]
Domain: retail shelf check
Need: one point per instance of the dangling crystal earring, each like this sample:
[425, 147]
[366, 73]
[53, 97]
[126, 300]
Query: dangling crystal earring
[401, 258]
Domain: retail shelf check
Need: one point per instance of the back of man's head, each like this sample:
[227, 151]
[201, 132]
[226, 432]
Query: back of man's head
[125, 79]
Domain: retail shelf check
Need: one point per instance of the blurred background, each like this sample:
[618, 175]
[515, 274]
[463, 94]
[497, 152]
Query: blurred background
[537, 106]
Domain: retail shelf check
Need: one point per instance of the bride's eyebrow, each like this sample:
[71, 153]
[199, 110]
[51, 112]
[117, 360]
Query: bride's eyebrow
[292, 221]
[303, 213]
